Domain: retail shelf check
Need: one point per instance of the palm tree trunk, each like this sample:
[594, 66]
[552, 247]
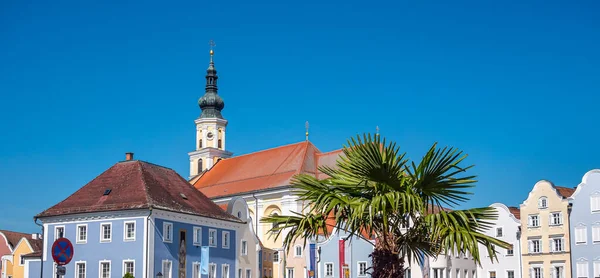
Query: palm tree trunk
[386, 264]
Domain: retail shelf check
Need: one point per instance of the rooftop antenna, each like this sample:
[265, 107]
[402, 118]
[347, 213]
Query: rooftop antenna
[306, 126]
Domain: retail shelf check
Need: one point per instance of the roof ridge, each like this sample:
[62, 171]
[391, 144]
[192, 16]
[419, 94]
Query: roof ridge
[149, 200]
[288, 157]
[217, 184]
[329, 152]
[265, 150]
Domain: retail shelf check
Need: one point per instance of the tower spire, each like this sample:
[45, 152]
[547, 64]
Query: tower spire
[211, 103]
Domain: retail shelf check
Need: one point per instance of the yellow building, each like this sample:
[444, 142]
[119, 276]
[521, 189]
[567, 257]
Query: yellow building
[545, 231]
[13, 265]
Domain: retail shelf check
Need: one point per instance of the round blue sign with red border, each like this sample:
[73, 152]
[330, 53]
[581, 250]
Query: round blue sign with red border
[62, 251]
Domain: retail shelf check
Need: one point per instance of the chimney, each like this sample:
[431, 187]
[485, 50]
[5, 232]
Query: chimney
[128, 156]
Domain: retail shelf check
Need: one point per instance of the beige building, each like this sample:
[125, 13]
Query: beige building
[545, 232]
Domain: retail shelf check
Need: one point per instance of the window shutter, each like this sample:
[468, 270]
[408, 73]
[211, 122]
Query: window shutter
[562, 244]
[551, 245]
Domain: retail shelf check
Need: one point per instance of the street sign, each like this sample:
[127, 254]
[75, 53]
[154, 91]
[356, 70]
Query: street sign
[61, 270]
[62, 251]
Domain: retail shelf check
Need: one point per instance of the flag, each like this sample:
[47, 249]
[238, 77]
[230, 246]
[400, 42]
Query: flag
[342, 256]
[424, 264]
[204, 260]
[312, 266]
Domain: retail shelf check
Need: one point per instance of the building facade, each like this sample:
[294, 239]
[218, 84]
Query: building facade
[13, 264]
[336, 254]
[507, 228]
[585, 226]
[143, 219]
[545, 235]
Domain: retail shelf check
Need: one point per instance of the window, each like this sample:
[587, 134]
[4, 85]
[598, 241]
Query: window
[212, 271]
[298, 251]
[499, 232]
[248, 273]
[557, 244]
[556, 218]
[224, 271]
[582, 270]
[557, 272]
[166, 269]
[535, 246]
[328, 269]
[212, 238]
[457, 273]
[362, 268]
[196, 270]
[510, 251]
[59, 232]
[534, 221]
[276, 256]
[536, 272]
[275, 224]
[105, 232]
[197, 236]
[80, 269]
[596, 234]
[595, 202]
[225, 241]
[407, 273]
[439, 273]
[128, 267]
[492, 274]
[81, 233]
[104, 269]
[466, 273]
[239, 273]
[21, 260]
[129, 231]
[581, 235]
[244, 248]
[510, 274]
[597, 269]
[167, 232]
[290, 273]
[543, 203]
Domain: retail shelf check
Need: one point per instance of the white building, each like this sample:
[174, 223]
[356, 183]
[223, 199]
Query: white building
[507, 229]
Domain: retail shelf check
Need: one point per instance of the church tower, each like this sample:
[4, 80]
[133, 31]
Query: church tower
[210, 126]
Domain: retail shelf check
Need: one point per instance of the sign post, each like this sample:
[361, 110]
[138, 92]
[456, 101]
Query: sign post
[62, 254]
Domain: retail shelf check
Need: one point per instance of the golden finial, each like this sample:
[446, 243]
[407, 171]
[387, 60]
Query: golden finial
[306, 126]
[377, 131]
[212, 44]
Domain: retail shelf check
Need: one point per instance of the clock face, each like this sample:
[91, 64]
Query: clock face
[209, 135]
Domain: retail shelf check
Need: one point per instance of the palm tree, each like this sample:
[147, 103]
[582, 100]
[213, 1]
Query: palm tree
[374, 190]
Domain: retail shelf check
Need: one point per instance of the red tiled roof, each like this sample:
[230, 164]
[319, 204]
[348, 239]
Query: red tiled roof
[138, 185]
[515, 211]
[565, 192]
[262, 170]
[14, 237]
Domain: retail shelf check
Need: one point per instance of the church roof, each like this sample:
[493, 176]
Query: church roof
[264, 170]
[135, 184]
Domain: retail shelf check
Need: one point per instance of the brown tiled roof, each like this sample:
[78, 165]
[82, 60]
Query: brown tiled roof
[138, 185]
[263, 170]
[565, 192]
[35, 254]
[14, 237]
[515, 211]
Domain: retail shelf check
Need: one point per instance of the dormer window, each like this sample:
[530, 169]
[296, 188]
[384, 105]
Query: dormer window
[543, 203]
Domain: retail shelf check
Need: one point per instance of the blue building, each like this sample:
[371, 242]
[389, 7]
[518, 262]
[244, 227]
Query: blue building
[144, 219]
[335, 255]
[585, 226]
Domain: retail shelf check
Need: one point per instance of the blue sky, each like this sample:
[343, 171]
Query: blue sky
[512, 83]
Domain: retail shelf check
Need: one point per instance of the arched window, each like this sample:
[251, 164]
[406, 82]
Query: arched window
[200, 165]
[275, 224]
[543, 202]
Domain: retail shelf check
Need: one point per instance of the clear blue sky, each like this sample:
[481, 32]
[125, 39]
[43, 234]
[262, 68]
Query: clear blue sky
[513, 84]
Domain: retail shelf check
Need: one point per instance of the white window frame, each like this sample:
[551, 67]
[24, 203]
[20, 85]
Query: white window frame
[596, 268]
[366, 266]
[197, 232]
[125, 267]
[332, 270]
[100, 268]
[584, 229]
[541, 269]
[531, 246]
[196, 266]
[223, 266]
[490, 273]
[212, 234]
[76, 268]
[595, 195]
[21, 261]
[562, 274]
[212, 270]
[586, 268]
[167, 235]
[545, 206]
[56, 231]
[102, 239]
[510, 270]
[248, 271]
[244, 248]
[553, 244]
[164, 273]
[276, 252]
[296, 251]
[530, 221]
[596, 233]
[501, 229]
[125, 238]
[240, 273]
[551, 220]
[78, 236]
[287, 272]
[225, 243]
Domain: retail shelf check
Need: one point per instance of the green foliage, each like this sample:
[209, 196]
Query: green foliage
[375, 191]
[128, 275]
